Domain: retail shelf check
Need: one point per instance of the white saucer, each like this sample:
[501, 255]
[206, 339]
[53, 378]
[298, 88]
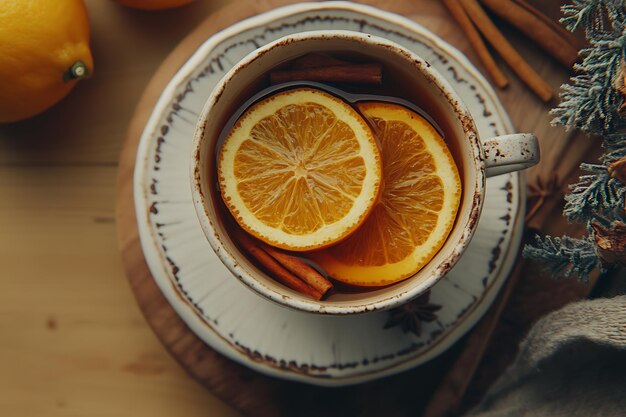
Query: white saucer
[253, 331]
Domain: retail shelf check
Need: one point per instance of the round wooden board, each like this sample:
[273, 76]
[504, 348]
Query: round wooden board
[250, 392]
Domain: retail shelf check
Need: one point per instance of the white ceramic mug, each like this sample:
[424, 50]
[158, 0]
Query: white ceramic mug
[479, 158]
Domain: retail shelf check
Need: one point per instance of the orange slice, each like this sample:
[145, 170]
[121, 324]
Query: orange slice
[300, 170]
[419, 200]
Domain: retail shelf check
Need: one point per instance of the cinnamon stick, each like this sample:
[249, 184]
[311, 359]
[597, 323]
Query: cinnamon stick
[565, 34]
[536, 29]
[458, 13]
[524, 71]
[275, 269]
[301, 269]
[371, 74]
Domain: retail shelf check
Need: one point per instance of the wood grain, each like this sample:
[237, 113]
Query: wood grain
[72, 340]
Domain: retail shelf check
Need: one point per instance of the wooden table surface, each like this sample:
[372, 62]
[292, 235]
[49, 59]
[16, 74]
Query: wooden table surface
[72, 339]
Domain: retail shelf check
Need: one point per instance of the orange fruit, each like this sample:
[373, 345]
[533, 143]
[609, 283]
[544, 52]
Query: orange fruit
[300, 170]
[417, 208]
[44, 52]
[153, 4]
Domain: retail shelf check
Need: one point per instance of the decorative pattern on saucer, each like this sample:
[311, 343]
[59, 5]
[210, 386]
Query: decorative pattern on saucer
[253, 331]
[411, 316]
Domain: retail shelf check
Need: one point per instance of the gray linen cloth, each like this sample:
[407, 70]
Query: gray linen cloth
[572, 363]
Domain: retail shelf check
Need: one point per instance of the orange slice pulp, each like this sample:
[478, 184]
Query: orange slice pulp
[300, 170]
[417, 208]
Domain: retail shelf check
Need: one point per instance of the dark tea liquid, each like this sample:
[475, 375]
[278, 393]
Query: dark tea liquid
[396, 83]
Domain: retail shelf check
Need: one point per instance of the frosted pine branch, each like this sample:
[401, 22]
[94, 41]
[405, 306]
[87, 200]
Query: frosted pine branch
[595, 194]
[593, 15]
[615, 145]
[565, 256]
[590, 102]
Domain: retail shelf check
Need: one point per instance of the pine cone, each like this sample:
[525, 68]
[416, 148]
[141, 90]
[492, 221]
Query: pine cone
[617, 170]
[611, 242]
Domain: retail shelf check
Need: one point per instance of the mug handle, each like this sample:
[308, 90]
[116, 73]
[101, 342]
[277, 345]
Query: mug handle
[508, 153]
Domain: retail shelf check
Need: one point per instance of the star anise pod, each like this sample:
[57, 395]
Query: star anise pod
[540, 191]
[411, 315]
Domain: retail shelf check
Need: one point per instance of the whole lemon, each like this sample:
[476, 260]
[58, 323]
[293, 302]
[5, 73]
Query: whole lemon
[153, 4]
[44, 50]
